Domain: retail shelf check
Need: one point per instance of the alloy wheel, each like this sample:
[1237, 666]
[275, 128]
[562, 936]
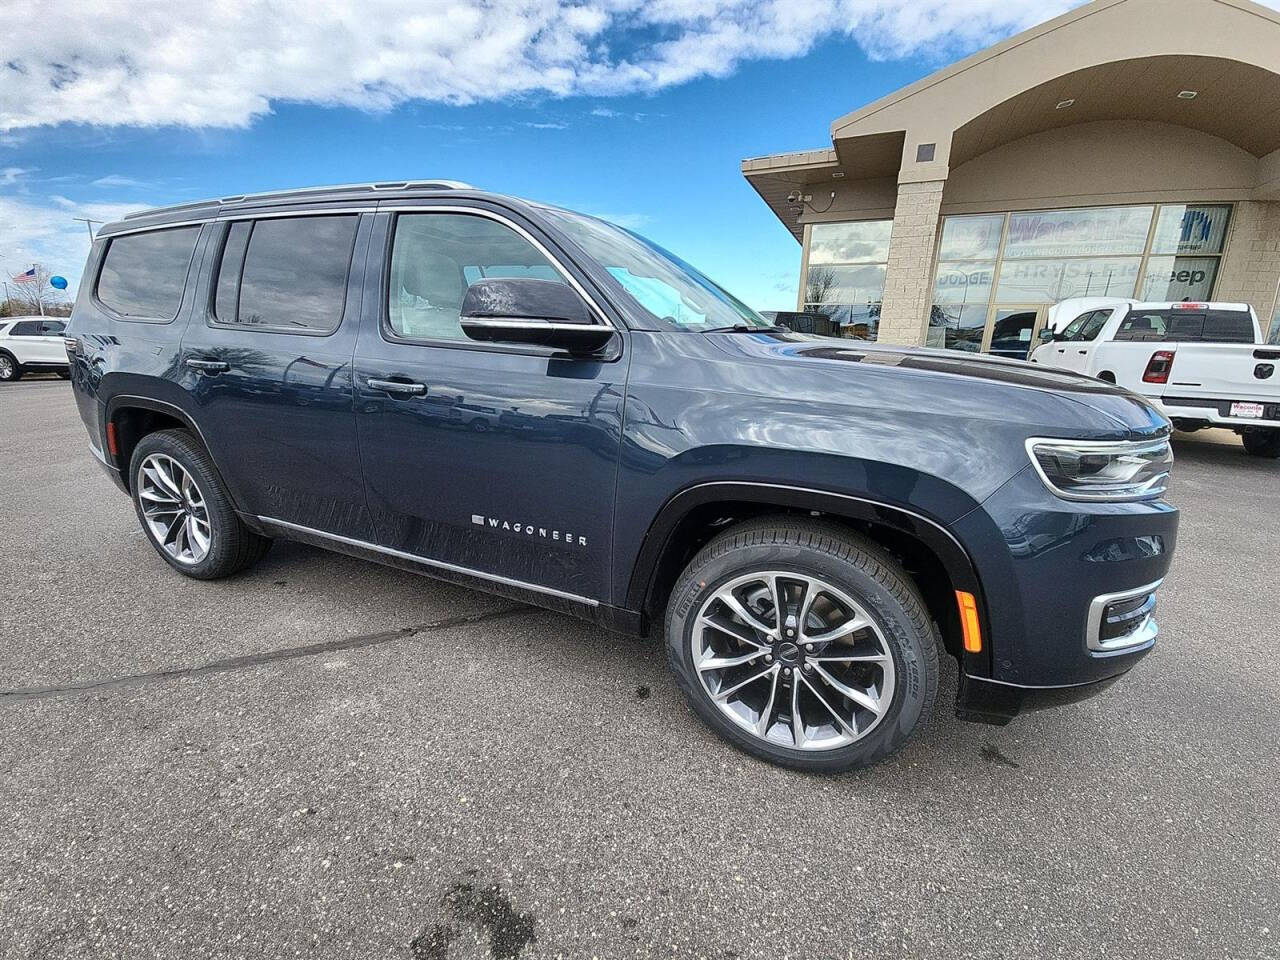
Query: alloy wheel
[793, 660]
[174, 509]
[6, 368]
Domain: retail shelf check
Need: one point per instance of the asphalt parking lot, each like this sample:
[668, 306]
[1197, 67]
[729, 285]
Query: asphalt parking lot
[329, 758]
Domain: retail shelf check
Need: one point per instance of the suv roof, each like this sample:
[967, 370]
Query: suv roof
[198, 209]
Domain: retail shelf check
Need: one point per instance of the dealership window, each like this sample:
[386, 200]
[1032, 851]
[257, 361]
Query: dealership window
[1006, 269]
[1186, 251]
[845, 277]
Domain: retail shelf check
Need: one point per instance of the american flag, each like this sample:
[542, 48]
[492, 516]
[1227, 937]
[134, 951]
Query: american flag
[28, 277]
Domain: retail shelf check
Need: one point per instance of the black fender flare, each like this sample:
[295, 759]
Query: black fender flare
[950, 552]
[127, 400]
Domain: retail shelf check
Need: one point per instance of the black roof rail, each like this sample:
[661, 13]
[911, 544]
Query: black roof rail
[280, 196]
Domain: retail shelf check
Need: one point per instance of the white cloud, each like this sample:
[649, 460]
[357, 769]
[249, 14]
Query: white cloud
[117, 180]
[11, 175]
[222, 63]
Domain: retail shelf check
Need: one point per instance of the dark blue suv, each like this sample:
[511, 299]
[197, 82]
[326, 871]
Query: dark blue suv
[543, 405]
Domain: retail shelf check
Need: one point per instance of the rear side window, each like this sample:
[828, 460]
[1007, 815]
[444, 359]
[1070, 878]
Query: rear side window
[27, 328]
[287, 275]
[144, 274]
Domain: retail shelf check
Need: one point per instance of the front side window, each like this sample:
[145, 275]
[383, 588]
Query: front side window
[144, 274]
[1072, 330]
[671, 293]
[52, 328]
[435, 257]
[287, 275]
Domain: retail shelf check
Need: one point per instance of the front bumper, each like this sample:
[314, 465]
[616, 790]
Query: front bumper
[1068, 591]
[983, 700]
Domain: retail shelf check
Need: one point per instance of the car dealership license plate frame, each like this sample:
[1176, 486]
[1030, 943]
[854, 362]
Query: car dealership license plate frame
[1247, 410]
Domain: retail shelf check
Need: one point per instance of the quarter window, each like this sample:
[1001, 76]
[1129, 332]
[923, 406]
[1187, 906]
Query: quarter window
[144, 274]
[287, 275]
[436, 256]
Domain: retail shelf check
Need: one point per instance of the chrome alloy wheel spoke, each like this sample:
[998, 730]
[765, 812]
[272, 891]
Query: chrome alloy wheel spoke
[794, 660]
[174, 509]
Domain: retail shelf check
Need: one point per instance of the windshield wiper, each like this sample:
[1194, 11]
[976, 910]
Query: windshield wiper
[744, 328]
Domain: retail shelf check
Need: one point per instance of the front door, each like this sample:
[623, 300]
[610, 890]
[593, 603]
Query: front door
[1012, 331]
[496, 460]
[266, 361]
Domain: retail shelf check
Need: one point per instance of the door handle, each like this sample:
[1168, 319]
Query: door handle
[398, 386]
[1082, 352]
[209, 366]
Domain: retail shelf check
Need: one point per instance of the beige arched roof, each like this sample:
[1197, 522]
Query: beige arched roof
[1106, 60]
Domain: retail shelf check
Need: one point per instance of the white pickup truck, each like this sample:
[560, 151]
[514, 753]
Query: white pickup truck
[1202, 364]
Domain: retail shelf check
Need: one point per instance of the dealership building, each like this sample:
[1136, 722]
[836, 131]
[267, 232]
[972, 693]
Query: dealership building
[1127, 148]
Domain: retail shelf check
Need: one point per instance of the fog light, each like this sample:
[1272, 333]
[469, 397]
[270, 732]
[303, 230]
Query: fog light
[1122, 622]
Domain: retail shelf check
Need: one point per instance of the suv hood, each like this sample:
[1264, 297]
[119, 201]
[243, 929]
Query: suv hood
[1123, 408]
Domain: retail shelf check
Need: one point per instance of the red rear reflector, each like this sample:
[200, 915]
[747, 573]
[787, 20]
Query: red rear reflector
[969, 621]
[112, 447]
[1158, 367]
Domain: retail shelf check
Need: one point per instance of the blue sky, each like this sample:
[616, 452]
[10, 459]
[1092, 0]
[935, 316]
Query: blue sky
[647, 128]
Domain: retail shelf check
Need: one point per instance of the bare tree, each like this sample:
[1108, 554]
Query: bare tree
[820, 283]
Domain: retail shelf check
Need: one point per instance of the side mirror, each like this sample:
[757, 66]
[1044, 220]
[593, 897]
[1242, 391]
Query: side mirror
[540, 312]
[1047, 335]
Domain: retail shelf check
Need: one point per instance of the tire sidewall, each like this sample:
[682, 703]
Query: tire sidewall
[222, 517]
[914, 672]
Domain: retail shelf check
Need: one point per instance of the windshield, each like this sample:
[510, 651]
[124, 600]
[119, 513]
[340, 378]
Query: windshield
[660, 284]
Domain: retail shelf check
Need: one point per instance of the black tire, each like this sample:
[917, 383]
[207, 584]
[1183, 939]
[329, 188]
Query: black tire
[1261, 443]
[233, 546]
[10, 368]
[1107, 376]
[855, 565]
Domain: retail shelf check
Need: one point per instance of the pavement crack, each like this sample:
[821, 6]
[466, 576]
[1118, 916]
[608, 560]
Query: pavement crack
[249, 661]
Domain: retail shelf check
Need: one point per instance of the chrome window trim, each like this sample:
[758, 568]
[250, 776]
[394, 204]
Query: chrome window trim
[526, 324]
[427, 561]
[281, 214]
[554, 260]
[167, 225]
[1143, 636]
[1097, 446]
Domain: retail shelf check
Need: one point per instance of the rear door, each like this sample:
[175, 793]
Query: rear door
[500, 460]
[267, 363]
[52, 348]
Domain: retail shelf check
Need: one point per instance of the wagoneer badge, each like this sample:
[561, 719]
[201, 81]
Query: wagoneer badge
[529, 530]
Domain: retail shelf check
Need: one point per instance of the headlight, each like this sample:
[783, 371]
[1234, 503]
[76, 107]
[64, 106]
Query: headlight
[1102, 469]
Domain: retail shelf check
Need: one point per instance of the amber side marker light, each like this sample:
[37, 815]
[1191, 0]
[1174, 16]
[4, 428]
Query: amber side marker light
[969, 621]
[112, 447]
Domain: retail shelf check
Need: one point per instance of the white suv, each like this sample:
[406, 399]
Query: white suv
[29, 344]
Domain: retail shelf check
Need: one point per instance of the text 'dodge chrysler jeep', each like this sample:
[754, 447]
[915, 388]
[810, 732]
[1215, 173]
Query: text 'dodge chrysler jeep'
[548, 407]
